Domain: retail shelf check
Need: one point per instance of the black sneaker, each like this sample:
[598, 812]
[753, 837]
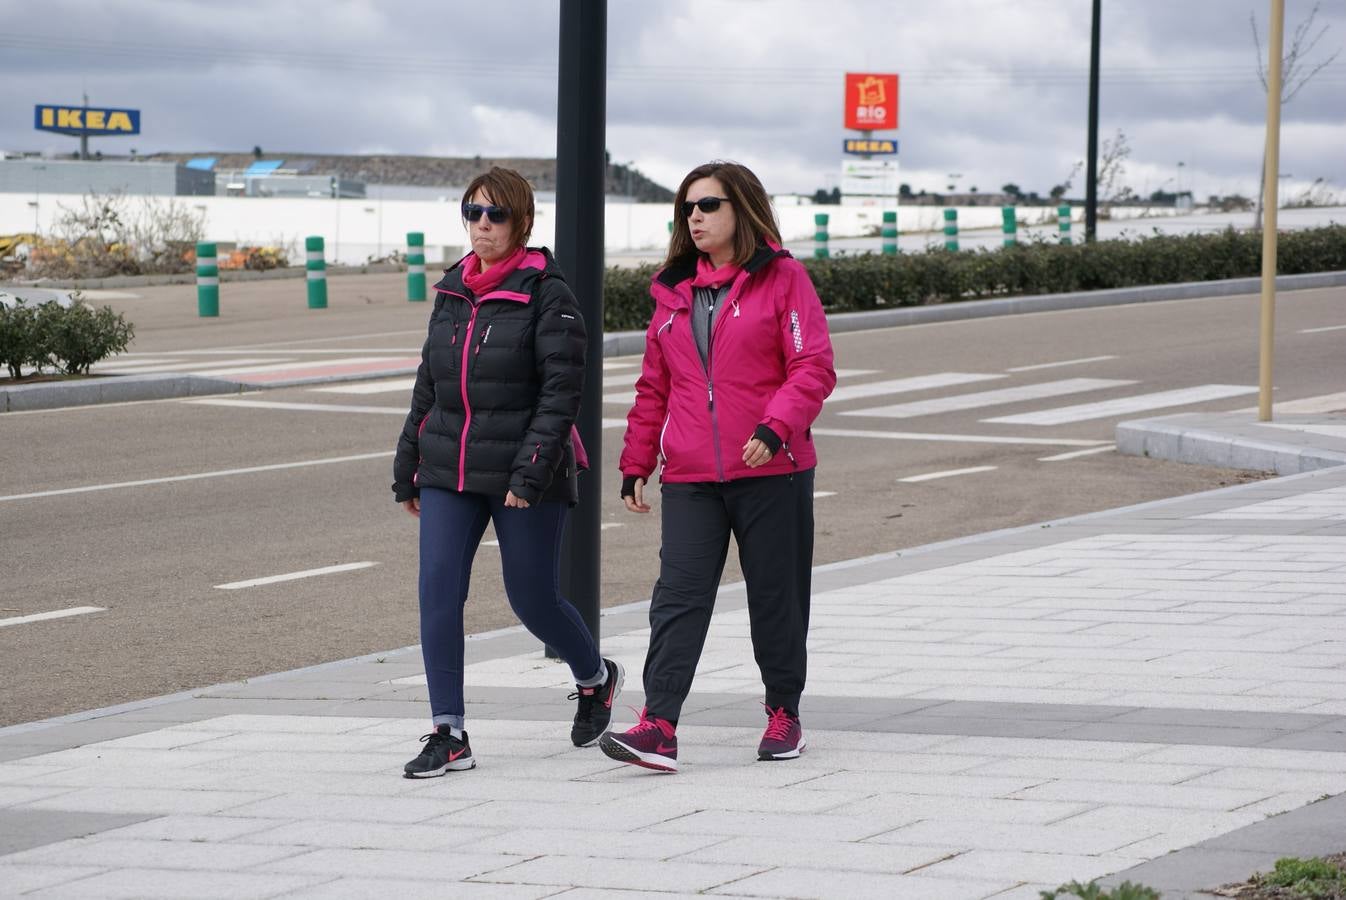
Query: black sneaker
[595, 706]
[442, 753]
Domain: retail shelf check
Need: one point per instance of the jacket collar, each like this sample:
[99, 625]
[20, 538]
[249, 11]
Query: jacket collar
[684, 268]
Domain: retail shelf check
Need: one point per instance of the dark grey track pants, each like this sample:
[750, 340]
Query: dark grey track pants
[771, 519]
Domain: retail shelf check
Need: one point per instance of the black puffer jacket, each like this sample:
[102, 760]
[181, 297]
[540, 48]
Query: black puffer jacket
[507, 368]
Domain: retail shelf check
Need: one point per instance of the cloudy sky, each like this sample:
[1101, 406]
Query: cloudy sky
[993, 90]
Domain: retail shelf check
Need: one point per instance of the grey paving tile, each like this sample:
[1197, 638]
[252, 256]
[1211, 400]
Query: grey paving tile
[1172, 734]
[1195, 870]
[131, 883]
[1224, 719]
[18, 879]
[24, 829]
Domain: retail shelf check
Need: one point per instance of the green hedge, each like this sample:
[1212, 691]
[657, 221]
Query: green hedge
[69, 339]
[873, 281]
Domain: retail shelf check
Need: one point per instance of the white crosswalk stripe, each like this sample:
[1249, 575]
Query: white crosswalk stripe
[902, 385]
[1123, 406]
[988, 398]
[382, 386]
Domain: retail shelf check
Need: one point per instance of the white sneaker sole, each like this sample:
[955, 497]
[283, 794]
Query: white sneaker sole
[615, 749]
[458, 765]
[790, 754]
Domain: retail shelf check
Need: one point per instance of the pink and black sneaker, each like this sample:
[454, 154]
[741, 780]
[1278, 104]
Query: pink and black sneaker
[783, 738]
[594, 710]
[651, 744]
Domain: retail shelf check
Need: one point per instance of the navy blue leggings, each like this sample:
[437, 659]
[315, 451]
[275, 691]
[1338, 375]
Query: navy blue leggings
[530, 545]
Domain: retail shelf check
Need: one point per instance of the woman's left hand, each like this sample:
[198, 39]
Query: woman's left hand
[515, 502]
[756, 453]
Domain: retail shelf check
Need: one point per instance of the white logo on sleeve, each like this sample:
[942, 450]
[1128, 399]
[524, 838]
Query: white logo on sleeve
[795, 330]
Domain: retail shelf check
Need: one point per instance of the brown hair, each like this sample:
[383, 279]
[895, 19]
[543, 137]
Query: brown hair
[753, 219]
[509, 189]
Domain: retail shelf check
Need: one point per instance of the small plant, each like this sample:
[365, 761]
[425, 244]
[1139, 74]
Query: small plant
[71, 339]
[1307, 878]
[1091, 891]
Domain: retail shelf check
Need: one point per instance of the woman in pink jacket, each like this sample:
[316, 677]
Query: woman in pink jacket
[737, 365]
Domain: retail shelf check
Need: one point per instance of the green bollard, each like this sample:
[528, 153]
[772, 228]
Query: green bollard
[951, 229]
[1063, 222]
[415, 266]
[316, 267]
[1008, 226]
[820, 236]
[207, 282]
[889, 233]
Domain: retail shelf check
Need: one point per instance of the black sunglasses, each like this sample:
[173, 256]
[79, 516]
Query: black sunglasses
[498, 215]
[705, 204]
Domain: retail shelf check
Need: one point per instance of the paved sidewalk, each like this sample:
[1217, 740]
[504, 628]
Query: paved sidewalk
[987, 717]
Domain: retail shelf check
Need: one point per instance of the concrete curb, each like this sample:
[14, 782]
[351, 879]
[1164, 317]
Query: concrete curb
[112, 389]
[1229, 441]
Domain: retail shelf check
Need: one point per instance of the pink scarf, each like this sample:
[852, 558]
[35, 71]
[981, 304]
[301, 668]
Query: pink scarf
[708, 276]
[479, 282]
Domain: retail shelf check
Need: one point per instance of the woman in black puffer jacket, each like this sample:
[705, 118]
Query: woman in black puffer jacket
[490, 438]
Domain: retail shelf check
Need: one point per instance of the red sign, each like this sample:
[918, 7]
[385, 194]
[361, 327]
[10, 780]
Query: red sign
[871, 101]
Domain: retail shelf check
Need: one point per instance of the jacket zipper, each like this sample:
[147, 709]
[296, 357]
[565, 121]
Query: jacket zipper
[467, 407]
[710, 389]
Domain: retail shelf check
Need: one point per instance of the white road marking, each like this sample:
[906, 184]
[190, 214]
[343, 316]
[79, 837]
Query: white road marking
[818, 494]
[55, 614]
[988, 398]
[602, 527]
[300, 407]
[899, 385]
[1074, 453]
[370, 387]
[183, 366]
[401, 351]
[122, 361]
[624, 398]
[955, 438]
[220, 473]
[344, 337]
[1317, 330]
[851, 373]
[948, 473]
[1064, 362]
[1126, 405]
[614, 423]
[294, 576]
[303, 364]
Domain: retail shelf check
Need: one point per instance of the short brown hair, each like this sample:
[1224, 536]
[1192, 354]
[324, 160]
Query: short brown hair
[511, 190]
[753, 219]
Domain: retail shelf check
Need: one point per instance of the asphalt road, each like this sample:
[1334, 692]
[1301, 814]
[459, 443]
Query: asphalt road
[313, 487]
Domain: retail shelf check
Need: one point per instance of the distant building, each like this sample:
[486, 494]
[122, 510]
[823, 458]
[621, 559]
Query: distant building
[62, 176]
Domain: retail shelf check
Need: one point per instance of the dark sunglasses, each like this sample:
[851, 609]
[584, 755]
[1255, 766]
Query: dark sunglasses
[498, 215]
[705, 204]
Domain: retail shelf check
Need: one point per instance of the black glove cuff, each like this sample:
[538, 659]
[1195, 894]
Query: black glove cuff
[629, 485]
[768, 437]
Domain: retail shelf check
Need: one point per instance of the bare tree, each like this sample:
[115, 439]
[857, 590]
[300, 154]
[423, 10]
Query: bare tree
[1297, 70]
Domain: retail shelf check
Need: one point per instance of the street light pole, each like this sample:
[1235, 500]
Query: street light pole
[581, 118]
[1091, 172]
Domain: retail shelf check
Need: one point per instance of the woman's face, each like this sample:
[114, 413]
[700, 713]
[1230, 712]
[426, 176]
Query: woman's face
[490, 241]
[712, 232]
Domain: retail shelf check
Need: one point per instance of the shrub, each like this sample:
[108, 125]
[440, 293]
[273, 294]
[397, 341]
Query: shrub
[69, 338]
[1091, 891]
[79, 336]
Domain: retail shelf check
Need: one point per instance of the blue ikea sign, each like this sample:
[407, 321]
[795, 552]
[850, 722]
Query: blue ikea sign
[86, 120]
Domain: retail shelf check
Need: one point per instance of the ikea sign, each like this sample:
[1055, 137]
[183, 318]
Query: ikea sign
[86, 120]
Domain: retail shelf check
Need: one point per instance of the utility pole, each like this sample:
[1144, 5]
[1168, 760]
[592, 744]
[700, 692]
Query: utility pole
[1091, 172]
[580, 179]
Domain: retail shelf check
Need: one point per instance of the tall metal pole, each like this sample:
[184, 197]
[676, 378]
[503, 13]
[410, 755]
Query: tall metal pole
[1091, 174]
[581, 113]
[1270, 183]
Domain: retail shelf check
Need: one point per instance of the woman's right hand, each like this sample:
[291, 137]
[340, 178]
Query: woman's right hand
[636, 502]
[413, 506]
